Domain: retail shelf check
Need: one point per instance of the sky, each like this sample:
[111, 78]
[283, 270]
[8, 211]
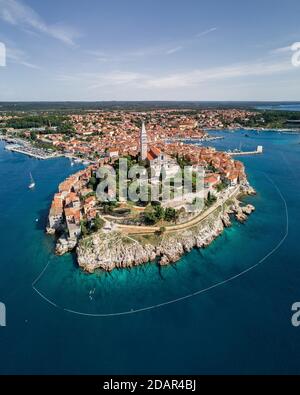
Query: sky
[96, 50]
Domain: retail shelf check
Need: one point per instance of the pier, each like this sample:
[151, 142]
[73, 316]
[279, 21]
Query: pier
[193, 139]
[259, 150]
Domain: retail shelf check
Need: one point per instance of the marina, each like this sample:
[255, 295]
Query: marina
[23, 147]
[30, 151]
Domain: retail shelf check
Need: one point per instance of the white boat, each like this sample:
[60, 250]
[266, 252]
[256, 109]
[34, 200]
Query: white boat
[77, 160]
[71, 162]
[32, 183]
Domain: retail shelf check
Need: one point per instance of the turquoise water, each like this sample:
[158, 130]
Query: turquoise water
[242, 326]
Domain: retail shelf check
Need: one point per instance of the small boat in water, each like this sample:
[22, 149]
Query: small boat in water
[77, 160]
[32, 182]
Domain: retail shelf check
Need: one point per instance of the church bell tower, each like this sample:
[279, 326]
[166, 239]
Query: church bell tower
[143, 142]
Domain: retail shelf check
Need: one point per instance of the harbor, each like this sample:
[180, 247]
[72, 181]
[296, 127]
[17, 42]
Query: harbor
[23, 147]
[30, 151]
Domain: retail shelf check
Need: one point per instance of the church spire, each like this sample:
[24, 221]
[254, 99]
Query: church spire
[143, 142]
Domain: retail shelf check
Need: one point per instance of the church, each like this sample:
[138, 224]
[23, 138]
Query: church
[158, 161]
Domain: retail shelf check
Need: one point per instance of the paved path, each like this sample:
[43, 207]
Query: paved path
[131, 229]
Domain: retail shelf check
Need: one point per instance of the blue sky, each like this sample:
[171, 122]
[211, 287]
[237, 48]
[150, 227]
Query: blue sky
[149, 50]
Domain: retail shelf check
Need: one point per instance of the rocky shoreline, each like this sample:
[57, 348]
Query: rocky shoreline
[109, 251]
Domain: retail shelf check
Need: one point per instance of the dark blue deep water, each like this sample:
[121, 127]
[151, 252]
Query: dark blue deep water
[241, 326]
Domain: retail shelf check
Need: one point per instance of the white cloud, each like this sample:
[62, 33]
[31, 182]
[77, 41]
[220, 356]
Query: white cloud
[173, 50]
[100, 56]
[97, 80]
[155, 50]
[18, 56]
[19, 14]
[176, 81]
[281, 50]
[198, 76]
[115, 78]
[205, 32]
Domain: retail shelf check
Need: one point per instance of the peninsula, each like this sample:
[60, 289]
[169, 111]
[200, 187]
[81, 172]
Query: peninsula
[121, 233]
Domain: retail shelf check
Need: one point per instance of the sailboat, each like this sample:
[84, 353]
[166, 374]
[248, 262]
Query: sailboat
[32, 183]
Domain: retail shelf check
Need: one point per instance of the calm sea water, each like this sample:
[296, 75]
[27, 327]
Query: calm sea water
[281, 107]
[242, 326]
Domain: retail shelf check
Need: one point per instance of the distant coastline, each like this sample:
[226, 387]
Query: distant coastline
[66, 106]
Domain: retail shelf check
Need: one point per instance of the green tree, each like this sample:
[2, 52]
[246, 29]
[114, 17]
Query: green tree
[159, 212]
[33, 136]
[162, 230]
[98, 223]
[170, 214]
[93, 183]
[150, 218]
[84, 228]
[211, 199]
[221, 186]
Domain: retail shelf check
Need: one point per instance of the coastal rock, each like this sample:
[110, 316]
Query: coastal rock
[116, 250]
[240, 216]
[247, 189]
[241, 213]
[251, 191]
[226, 220]
[65, 245]
[110, 250]
[248, 209]
[164, 261]
[50, 231]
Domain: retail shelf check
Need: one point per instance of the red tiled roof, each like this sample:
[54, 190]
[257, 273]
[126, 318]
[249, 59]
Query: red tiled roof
[153, 153]
[211, 179]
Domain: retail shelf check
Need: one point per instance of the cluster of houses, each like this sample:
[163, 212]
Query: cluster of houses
[220, 167]
[73, 201]
[117, 133]
[99, 134]
[218, 119]
[109, 133]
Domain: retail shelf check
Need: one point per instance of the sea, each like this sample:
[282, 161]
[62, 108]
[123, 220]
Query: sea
[279, 106]
[225, 309]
